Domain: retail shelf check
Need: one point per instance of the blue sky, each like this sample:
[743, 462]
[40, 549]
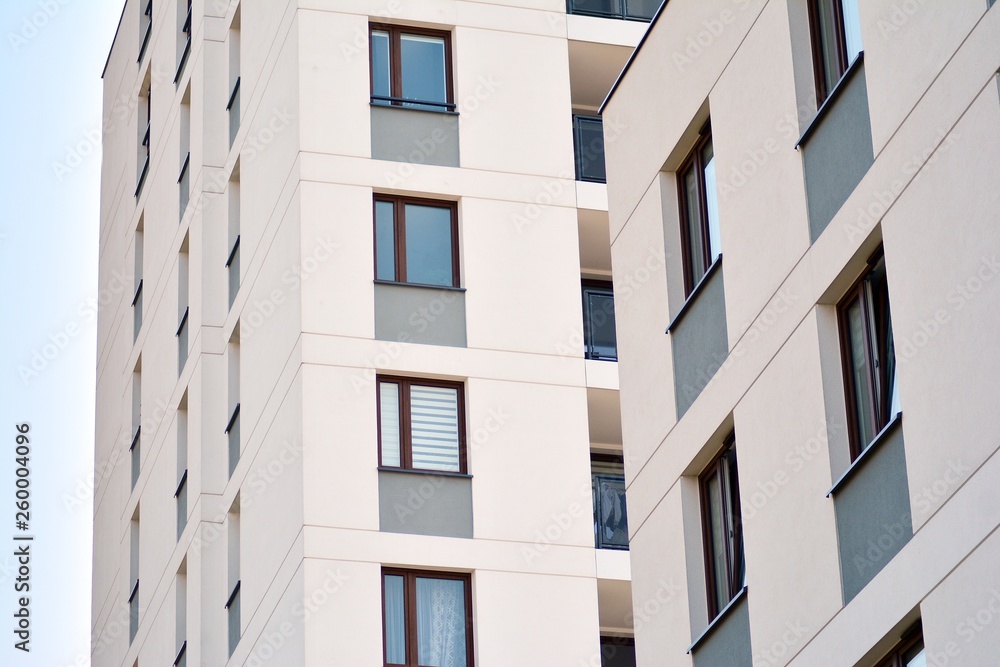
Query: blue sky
[51, 57]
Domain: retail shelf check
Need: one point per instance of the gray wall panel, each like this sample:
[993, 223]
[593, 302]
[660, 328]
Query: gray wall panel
[837, 152]
[699, 340]
[423, 504]
[412, 314]
[728, 645]
[873, 514]
[411, 135]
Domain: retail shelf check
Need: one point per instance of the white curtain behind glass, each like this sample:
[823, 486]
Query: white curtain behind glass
[441, 622]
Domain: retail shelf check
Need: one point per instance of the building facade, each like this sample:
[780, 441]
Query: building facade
[808, 381]
[358, 403]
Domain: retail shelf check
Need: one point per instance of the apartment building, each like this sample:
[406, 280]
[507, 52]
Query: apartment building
[361, 404]
[809, 379]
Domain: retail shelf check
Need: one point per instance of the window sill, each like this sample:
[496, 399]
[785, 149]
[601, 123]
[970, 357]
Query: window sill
[446, 112]
[432, 473]
[858, 463]
[399, 284]
[828, 103]
[717, 621]
[694, 293]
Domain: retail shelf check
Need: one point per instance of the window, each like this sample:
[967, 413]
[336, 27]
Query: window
[145, 26]
[233, 106]
[233, 601]
[836, 40]
[233, 425]
[599, 336]
[134, 453]
[700, 237]
[184, 178]
[588, 140]
[427, 618]
[638, 10]
[908, 653]
[183, 36]
[722, 529]
[133, 574]
[870, 374]
[416, 241]
[421, 424]
[617, 652]
[233, 260]
[411, 67]
[180, 494]
[145, 115]
[608, 488]
[183, 308]
[180, 624]
[137, 279]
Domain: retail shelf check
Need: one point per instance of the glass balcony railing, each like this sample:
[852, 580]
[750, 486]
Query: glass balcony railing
[610, 519]
[599, 335]
[633, 10]
[588, 142]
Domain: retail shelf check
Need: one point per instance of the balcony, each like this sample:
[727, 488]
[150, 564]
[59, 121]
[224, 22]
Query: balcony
[233, 435]
[608, 487]
[599, 337]
[630, 10]
[588, 144]
[233, 108]
[182, 342]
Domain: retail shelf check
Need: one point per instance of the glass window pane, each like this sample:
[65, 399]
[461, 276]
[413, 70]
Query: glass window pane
[692, 198]
[441, 623]
[434, 428]
[852, 29]
[642, 9]
[717, 543]
[385, 241]
[711, 203]
[388, 394]
[395, 620]
[831, 67]
[428, 245]
[424, 76]
[915, 657]
[601, 342]
[381, 65]
[590, 149]
[860, 373]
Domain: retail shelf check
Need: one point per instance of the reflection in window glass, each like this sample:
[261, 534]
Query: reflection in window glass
[395, 621]
[428, 245]
[381, 66]
[385, 241]
[423, 69]
[852, 30]
[711, 203]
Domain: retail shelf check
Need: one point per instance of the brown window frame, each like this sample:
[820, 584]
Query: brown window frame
[819, 53]
[731, 487]
[405, 425]
[909, 640]
[410, 611]
[396, 98]
[695, 161]
[399, 235]
[878, 380]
